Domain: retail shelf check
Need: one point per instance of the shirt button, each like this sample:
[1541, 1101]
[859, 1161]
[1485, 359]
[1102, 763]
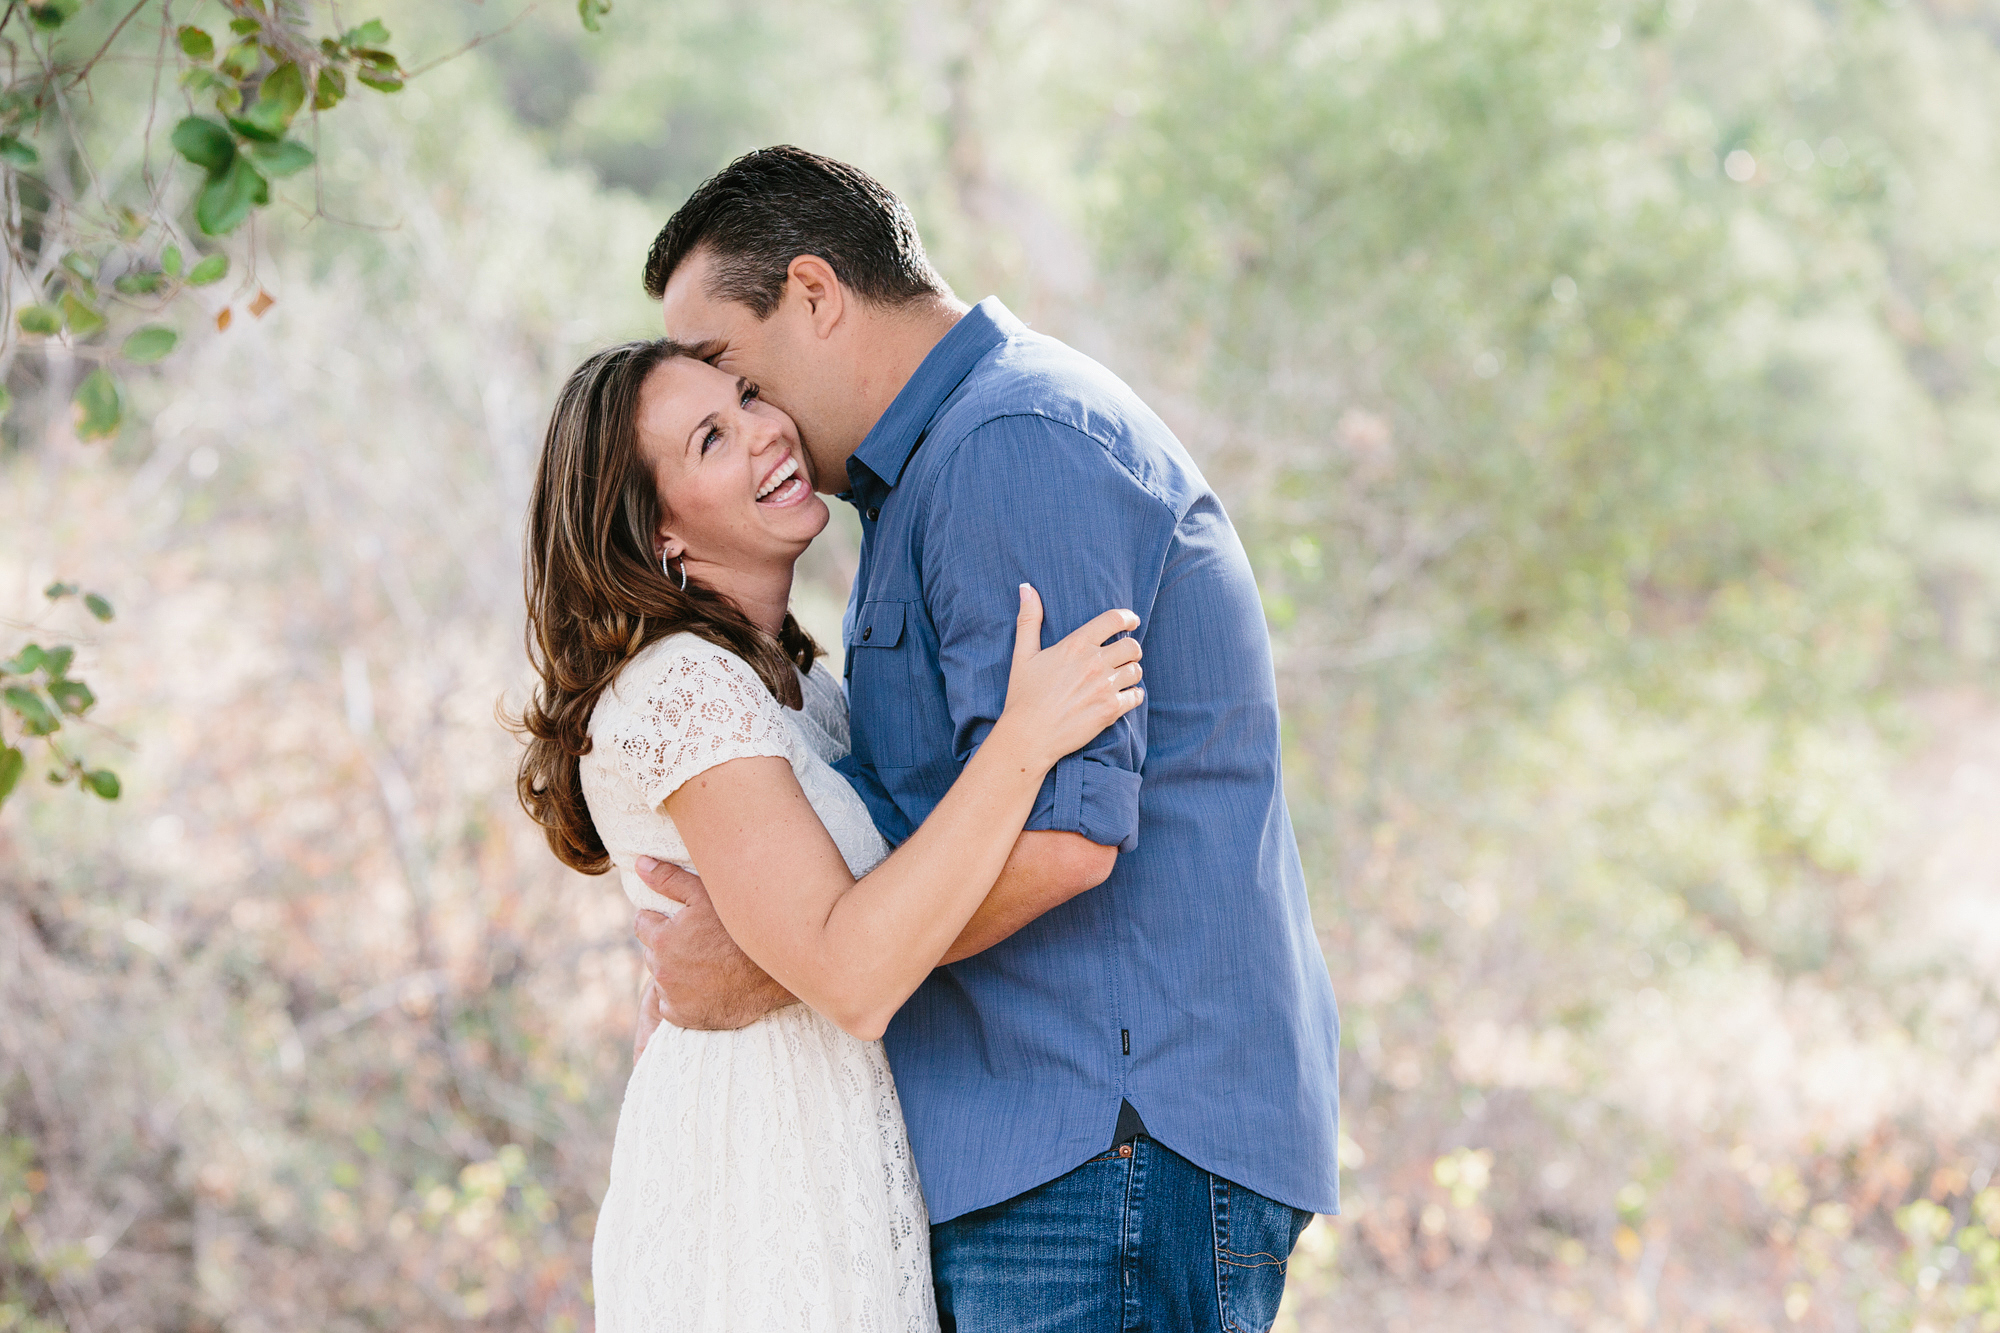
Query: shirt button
[867, 633]
[873, 513]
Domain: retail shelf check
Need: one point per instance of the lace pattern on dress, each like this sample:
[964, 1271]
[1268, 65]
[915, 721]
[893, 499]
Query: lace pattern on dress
[702, 707]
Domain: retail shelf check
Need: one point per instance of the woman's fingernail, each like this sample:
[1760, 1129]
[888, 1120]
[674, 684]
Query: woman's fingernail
[646, 865]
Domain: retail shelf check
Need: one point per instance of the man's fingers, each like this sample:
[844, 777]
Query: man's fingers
[661, 876]
[669, 880]
[649, 926]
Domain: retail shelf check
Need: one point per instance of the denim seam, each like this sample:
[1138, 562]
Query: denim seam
[1135, 1200]
[1218, 1217]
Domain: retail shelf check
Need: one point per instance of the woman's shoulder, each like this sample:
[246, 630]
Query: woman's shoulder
[672, 674]
[683, 705]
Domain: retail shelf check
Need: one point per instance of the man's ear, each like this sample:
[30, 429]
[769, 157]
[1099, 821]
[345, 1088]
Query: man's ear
[812, 282]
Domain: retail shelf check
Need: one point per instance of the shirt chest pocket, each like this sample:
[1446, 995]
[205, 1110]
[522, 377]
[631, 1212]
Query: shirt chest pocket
[880, 658]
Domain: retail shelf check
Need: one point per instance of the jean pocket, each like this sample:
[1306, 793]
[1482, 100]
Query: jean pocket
[1254, 1237]
[879, 697]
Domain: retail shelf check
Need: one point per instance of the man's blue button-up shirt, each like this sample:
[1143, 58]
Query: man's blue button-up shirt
[1189, 983]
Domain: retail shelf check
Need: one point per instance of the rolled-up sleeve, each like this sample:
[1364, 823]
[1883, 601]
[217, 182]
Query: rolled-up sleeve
[1024, 499]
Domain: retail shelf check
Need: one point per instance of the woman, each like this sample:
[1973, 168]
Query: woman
[761, 1179]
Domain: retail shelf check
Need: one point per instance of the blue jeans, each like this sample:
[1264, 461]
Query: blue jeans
[1138, 1238]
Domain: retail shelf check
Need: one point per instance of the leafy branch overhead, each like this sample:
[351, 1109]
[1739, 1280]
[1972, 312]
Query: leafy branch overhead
[259, 84]
[95, 264]
[100, 254]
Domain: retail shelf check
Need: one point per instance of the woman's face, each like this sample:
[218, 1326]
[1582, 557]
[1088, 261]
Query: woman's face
[734, 483]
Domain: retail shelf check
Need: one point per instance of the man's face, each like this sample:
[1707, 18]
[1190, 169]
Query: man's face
[779, 355]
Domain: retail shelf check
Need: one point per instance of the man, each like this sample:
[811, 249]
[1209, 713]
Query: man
[1121, 1084]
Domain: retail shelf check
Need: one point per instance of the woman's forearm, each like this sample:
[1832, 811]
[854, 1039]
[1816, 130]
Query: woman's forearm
[883, 936]
[853, 950]
[856, 950]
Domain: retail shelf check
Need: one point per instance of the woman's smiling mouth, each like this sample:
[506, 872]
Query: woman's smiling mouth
[783, 486]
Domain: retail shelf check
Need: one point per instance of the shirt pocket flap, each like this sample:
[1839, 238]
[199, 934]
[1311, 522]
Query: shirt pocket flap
[880, 625]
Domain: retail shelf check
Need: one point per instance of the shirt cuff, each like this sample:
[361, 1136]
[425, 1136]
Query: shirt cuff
[1089, 797]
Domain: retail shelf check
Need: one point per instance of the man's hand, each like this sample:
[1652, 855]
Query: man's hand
[700, 979]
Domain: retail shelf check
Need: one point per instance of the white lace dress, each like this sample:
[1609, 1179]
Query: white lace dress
[761, 1179]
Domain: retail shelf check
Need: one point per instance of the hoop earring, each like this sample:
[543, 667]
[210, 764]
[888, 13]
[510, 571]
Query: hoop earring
[670, 573]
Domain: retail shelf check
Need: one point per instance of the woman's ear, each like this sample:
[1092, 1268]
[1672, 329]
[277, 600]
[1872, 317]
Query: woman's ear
[666, 546]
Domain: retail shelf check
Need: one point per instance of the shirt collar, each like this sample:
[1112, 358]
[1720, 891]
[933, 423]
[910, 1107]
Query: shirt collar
[886, 450]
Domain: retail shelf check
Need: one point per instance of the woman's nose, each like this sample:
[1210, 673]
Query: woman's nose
[763, 433]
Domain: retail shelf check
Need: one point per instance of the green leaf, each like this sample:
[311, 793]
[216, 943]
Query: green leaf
[371, 33]
[330, 87]
[381, 82]
[81, 265]
[72, 696]
[196, 44]
[97, 606]
[228, 198]
[36, 719]
[23, 663]
[278, 160]
[204, 143]
[208, 270]
[55, 661]
[263, 121]
[39, 319]
[139, 284]
[55, 592]
[83, 319]
[170, 261]
[18, 152]
[149, 344]
[243, 59]
[6, 402]
[103, 782]
[590, 11]
[12, 764]
[100, 405]
[244, 26]
[52, 14]
[285, 88]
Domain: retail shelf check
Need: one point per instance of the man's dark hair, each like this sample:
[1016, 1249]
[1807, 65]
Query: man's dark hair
[767, 208]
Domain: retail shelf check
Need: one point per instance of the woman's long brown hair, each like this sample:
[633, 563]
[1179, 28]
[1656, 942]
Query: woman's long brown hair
[596, 596]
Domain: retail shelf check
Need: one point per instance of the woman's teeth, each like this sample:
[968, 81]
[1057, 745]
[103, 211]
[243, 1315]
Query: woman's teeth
[778, 478]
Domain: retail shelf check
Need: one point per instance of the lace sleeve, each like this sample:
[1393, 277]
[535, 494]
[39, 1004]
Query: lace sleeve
[690, 712]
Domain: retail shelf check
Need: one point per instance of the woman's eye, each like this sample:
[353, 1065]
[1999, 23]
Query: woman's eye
[750, 392]
[712, 437]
